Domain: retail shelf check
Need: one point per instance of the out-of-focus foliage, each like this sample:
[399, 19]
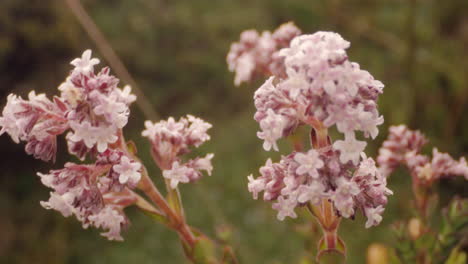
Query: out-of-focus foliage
[176, 52]
[439, 241]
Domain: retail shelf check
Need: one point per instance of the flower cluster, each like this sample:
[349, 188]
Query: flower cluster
[321, 85]
[171, 139]
[94, 110]
[321, 88]
[403, 146]
[86, 191]
[90, 105]
[318, 175]
[257, 54]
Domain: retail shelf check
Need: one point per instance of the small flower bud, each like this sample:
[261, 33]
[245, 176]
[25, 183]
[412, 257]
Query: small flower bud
[377, 254]
[415, 228]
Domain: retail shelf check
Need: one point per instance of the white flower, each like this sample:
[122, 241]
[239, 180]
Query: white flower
[100, 136]
[346, 187]
[285, 207]
[62, 203]
[197, 131]
[128, 170]
[204, 164]
[350, 148]
[272, 129]
[309, 163]
[343, 196]
[313, 192]
[110, 219]
[126, 95]
[83, 132]
[374, 215]
[295, 84]
[70, 93]
[85, 64]
[8, 121]
[256, 185]
[115, 112]
[244, 68]
[105, 136]
[178, 173]
[369, 124]
[367, 166]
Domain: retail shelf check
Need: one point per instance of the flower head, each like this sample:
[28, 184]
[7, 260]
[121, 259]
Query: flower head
[171, 139]
[317, 86]
[257, 54]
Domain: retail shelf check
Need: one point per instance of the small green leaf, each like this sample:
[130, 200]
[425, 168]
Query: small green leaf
[204, 251]
[456, 257]
[174, 200]
[132, 147]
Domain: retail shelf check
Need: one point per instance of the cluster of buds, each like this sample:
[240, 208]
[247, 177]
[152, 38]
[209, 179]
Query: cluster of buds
[321, 88]
[170, 140]
[403, 146]
[258, 54]
[94, 110]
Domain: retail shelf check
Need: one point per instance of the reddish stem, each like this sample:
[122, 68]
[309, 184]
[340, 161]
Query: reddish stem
[147, 186]
[177, 223]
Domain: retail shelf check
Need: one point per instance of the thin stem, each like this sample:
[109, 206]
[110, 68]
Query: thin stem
[177, 223]
[316, 212]
[145, 205]
[172, 194]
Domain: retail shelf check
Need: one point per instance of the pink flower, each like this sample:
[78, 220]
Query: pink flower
[104, 137]
[256, 186]
[403, 146]
[309, 163]
[443, 165]
[108, 106]
[204, 163]
[128, 170]
[343, 196]
[272, 129]
[257, 54]
[197, 131]
[37, 121]
[285, 207]
[110, 219]
[9, 123]
[314, 193]
[62, 203]
[350, 148]
[85, 64]
[83, 132]
[374, 215]
[126, 95]
[400, 141]
[178, 173]
[189, 171]
[170, 139]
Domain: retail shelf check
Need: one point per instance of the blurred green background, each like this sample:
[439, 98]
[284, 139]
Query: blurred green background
[175, 50]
